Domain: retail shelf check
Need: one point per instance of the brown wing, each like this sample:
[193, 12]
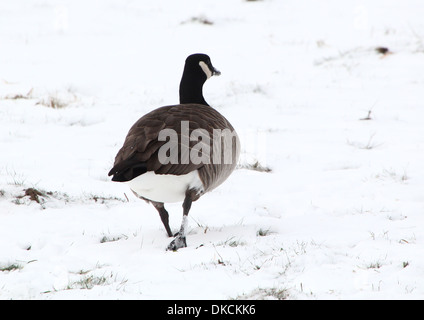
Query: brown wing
[139, 153]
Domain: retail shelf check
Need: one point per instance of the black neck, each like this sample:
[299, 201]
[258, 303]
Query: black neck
[191, 88]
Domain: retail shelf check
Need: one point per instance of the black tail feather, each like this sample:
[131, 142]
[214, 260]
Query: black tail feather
[127, 170]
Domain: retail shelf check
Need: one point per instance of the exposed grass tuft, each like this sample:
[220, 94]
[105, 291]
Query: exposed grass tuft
[103, 199]
[256, 166]
[263, 232]
[106, 238]
[34, 194]
[199, 19]
[88, 282]
[19, 96]
[374, 265]
[10, 267]
[370, 145]
[53, 102]
[368, 117]
[265, 294]
[231, 242]
[17, 178]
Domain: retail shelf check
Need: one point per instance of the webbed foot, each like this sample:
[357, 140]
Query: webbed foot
[178, 243]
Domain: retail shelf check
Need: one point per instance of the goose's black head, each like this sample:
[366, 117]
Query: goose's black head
[198, 68]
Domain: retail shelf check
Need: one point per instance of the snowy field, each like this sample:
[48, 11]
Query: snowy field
[328, 200]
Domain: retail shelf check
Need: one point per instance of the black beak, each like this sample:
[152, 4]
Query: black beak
[215, 72]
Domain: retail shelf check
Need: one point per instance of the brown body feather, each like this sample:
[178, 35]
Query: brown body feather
[139, 153]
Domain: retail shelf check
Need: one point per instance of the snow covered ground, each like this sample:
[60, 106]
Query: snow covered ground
[339, 216]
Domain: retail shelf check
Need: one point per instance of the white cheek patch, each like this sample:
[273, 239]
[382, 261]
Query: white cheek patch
[205, 69]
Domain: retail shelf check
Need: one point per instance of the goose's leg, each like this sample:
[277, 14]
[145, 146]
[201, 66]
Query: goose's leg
[164, 216]
[180, 239]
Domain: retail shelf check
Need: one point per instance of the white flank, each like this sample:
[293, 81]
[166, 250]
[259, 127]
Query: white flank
[165, 187]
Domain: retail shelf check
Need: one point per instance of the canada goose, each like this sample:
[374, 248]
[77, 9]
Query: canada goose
[161, 170]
